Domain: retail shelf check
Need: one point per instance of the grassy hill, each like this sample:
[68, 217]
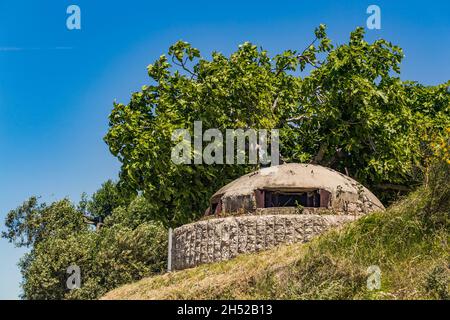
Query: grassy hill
[409, 242]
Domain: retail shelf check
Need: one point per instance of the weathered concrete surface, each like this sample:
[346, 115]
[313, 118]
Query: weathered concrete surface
[346, 194]
[224, 238]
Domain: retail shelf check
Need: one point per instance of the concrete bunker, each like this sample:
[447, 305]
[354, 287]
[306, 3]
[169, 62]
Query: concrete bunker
[293, 185]
[282, 204]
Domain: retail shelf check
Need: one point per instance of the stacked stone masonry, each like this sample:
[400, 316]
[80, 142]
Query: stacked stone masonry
[224, 238]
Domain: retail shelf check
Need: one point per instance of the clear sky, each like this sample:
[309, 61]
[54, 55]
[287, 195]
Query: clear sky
[57, 85]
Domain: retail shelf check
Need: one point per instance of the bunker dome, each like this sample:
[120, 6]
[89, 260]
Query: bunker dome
[309, 187]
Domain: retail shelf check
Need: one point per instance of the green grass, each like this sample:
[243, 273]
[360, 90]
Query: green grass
[409, 242]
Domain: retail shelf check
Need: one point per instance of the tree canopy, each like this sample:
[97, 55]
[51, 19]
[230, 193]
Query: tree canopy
[343, 106]
[128, 247]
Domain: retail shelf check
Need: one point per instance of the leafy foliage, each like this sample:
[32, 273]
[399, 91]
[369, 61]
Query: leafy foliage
[128, 247]
[106, 199]
[343, 107]
[122, 255]
[32, 223]
[44, 269]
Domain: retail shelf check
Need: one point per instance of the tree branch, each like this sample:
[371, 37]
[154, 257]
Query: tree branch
[297, 118]
[320, 154]
[182, 64]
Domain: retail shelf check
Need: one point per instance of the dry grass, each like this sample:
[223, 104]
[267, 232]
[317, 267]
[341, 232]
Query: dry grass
[210, 280]
[409, 242]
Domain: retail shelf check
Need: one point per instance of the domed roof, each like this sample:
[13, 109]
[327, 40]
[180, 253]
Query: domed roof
[296, 176]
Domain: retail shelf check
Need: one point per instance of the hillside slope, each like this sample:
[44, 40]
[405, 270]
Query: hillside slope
[409, 242]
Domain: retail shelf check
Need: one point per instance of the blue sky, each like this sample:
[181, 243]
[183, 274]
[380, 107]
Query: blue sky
[57, 86]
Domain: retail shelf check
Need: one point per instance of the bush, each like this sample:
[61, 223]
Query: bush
[438, 283]
[437, 208]
[122, 255]
[126, 248]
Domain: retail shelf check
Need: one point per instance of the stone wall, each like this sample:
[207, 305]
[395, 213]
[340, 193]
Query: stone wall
[224, 238]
